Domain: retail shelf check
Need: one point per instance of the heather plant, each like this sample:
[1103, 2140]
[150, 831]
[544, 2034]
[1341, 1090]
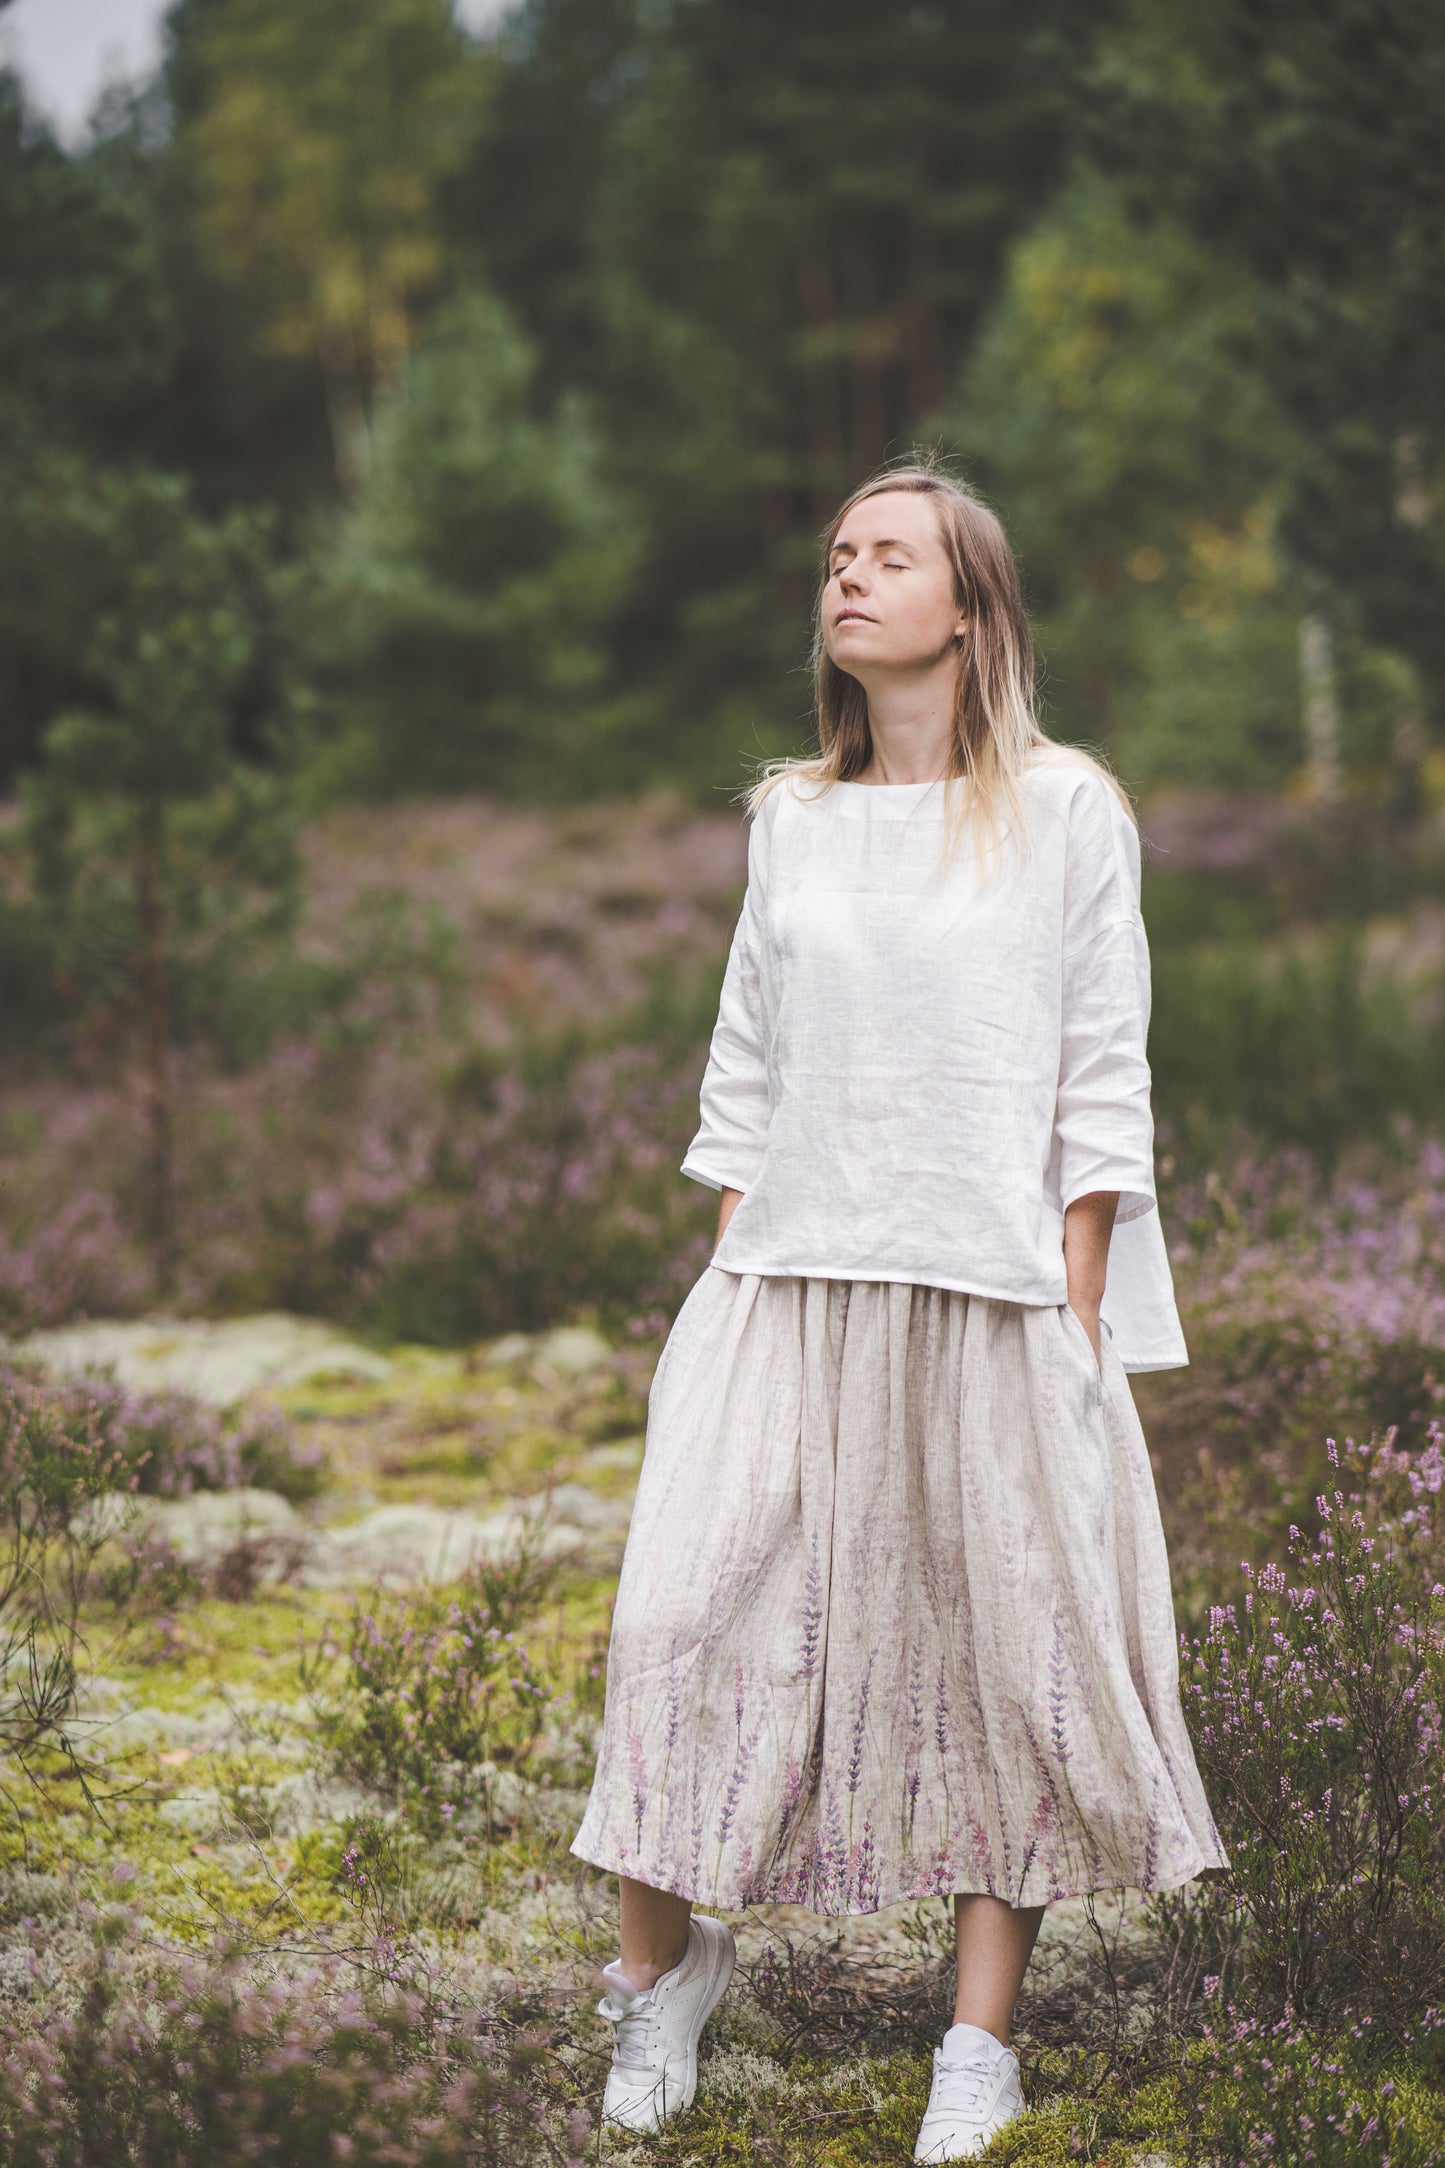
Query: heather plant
[170, 1444]
[1316, 1710]
[56, 1462]
[175, 1444]
[1278, 2093]
[535, 1184]
[439, 1698]
[164, 2067]
[1310, 1305]
[77, 1257]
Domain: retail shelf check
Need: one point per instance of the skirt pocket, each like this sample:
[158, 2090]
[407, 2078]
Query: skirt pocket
[1075, 1330]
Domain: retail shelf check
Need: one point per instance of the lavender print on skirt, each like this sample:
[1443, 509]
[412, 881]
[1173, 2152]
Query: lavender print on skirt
[894, 1618]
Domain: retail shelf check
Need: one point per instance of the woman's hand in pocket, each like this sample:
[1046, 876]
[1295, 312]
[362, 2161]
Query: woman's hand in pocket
[1088, 1316]
[731, 1199]
[1088, 1224]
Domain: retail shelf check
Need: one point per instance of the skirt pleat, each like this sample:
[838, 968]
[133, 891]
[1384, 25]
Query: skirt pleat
[894, 1618]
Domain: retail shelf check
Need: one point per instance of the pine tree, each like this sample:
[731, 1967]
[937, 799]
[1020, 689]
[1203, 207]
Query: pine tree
[159, 858]
[1307, 139]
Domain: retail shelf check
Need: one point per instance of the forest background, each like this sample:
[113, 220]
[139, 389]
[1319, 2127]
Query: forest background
[392, 415]
[413, 452]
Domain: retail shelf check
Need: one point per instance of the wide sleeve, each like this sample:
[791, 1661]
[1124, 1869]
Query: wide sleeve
[728, 1149]
[1104, 1126]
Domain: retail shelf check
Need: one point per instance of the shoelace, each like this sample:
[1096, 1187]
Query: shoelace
[963, 2088]
[634, 2025]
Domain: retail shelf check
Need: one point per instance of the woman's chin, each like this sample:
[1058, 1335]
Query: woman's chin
[852, 650]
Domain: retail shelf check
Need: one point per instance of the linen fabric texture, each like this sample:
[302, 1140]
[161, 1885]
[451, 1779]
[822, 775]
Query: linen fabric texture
[894, 1618]
[918, 1064]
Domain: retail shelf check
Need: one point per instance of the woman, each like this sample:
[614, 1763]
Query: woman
[894, 1618]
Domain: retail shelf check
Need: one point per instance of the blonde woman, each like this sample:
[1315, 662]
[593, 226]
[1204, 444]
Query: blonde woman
[894, 1618]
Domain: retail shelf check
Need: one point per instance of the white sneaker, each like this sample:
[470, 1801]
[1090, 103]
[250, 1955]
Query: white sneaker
[975, 2093]
[654, 2048]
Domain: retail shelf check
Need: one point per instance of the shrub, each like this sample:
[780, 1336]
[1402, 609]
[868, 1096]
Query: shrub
[170, 1444]
[1306, 1046]
[208, 2066]
[80, 1258]
[1309, 1307]
[511, 1196]
[1316, 1711]
[178, 1444]
[437, 1694]
[1276, 2094]
[56, 1460]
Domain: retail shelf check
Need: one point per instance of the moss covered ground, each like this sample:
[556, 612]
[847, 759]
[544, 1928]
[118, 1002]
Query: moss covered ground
[220, 1818]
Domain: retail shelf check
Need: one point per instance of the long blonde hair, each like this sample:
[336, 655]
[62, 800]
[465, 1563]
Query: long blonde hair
[996, 730]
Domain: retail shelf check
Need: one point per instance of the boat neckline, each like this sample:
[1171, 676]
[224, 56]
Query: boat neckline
[872, 787]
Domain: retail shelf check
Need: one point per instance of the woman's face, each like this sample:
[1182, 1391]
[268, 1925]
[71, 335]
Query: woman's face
[889, 603]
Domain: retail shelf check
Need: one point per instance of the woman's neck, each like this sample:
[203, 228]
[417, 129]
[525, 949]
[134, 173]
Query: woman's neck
[911, 725]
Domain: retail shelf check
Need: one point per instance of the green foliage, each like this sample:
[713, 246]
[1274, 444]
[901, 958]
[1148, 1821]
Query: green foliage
[85, 318]
[1283, 2093]
[56, 1461]
[438, 1694]
[461, 620]
[1112, 411]
[318, 142]
[761, 238]
[595, 318]
[167, 649]
[1304, 140]
[1304, 1045]
[86, 340]
[160, 863]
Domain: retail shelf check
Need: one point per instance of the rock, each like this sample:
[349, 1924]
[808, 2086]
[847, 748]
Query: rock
[396, 1545]
[623, 1453]
[109, 1516]
[572, 1504]
[295, 1806]
[399, 1545]
[513, 1347]
[199, 1811]
[148, 1728]
[210, 1523]
[572, 1350]
[219, 1361]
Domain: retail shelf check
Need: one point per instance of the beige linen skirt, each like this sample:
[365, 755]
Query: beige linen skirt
[894, 1618]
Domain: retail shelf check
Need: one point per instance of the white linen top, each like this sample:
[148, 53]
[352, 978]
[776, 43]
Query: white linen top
[916, 1067]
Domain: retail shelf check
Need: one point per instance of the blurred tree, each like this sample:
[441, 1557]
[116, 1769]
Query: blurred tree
[1114, 410]
[764, 237]
[317, 139]
[85, 323]
[1307, 137]
[158, 858]
[85, 340]
[526, 199]
[459, 629]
